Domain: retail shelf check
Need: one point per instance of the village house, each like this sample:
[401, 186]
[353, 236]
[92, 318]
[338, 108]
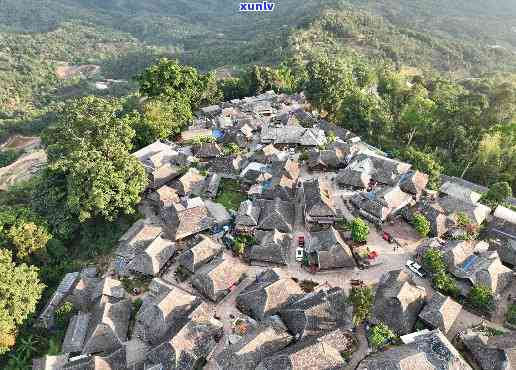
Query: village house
[200, 254]
[187, 219]
[320, 354]
[381, 170]
[398, 301]
[107, 327]
[156, 159]
[269, 337]
[188, 348]
[317, 313]
[272, 248]
[491, 352]
[276, 215]
[191, 183]
[248, 216]
[427, 351]
[149, 261]
[159, 319]
[378, 205]
[503, 224]
[327, 250]
[440, 312]
[482, 269]
[414, 183]
[216, 279]
[267, 295]
[318, 206]
[459, 192]
[165, 196]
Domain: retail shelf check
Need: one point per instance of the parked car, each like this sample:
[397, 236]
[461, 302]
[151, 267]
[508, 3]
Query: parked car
[301, 241]
[416, 268]
[300, 253]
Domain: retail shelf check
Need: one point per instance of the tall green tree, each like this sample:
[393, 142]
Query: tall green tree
[160, 119]
[170, 80]
[91, 172]
[20, 290]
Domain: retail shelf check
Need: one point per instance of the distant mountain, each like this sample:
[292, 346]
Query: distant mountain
[123, 36]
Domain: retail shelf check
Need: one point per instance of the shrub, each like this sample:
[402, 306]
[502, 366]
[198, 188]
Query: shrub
[421, 224]
[481, 297]
[511, 314]
[463, 219]
[231, 148]
[380, 335]
[497, 194]
[362, 300]
[445, 284]
[434, 261]
[359, 230]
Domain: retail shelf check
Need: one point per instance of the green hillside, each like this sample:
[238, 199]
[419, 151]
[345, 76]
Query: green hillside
[460, 38]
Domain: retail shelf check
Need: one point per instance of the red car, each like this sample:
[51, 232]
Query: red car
[301, 241]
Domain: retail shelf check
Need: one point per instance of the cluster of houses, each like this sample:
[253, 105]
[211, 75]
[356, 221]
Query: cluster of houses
[292, 169]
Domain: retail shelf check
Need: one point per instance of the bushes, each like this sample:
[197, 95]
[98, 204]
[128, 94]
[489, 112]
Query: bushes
[362, 300]
[381, 335]
[359, 230]
[421, 224]
[511, 314]
[446, 284]
[433, 261]
[481, 297]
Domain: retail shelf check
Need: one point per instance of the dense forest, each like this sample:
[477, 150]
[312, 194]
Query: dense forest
[430, 82]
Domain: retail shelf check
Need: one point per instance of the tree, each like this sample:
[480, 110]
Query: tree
[89, 123]
[231, 149]
[380, 335]
[433, 261]
[90, 172]
[170, 80]
[362, 300]
[27, 238]
[328, 81]
[20, 290]
[481, 297]
[421, 224]
[425, 163]
[22, 231]
[417, 115]
[497, 194]
[160, 119]
[359, 230]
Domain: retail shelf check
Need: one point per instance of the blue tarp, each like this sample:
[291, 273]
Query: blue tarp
[217, 133]
[469, 262]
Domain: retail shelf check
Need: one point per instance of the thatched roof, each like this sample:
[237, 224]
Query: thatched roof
[428, 351]
[441, 312]
[200, 254]
[492, 353]
[161, 318]
[215, 279]
[268, 338]
[398, 301]
[316, 313]
[268, 294]
[273, 247]
[108, 327]
[152, 259]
